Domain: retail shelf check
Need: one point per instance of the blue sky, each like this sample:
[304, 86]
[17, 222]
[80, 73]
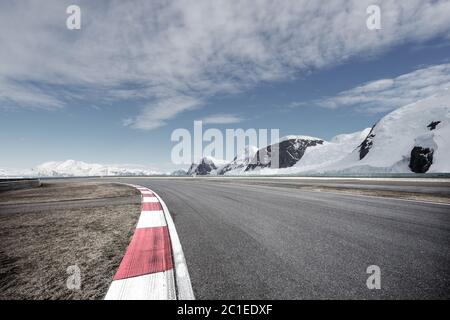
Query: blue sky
[114, 91]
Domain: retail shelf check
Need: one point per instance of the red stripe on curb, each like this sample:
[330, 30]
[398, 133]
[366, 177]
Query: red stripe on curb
[148, 252]
[151, 206]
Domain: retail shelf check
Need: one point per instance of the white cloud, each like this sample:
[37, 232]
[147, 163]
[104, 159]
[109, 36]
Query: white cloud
[222, 119]
[175, 55]
[156, 115]
[387, 94]
[12, 94]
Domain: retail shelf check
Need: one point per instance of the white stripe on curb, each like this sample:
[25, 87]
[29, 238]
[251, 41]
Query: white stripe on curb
[150, 219]
[146, 274]
[183, 281]
[150, 199]
[154, 286]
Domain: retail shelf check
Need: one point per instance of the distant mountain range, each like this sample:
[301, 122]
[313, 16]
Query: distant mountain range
[73, 168]
[411, 139]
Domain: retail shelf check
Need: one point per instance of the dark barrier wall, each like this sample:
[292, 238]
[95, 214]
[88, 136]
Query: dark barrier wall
[15, 184]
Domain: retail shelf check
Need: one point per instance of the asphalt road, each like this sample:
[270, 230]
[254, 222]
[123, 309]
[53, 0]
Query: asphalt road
[265, 239]
[262, 242]
[424, 186]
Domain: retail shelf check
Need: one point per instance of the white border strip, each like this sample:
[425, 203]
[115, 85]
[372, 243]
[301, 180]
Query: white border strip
[153, 286]
[151, 219]
[183, 281]
[387, 198]
[149, 199]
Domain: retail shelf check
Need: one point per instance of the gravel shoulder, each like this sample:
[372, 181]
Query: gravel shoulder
[430, 192]
[66, 190]
[415, 196]
[61, 225]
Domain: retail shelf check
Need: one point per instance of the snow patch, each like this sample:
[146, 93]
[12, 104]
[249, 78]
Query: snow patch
[74, 168]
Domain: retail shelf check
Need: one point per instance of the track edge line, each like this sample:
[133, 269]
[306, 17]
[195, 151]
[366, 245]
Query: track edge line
[182, 278]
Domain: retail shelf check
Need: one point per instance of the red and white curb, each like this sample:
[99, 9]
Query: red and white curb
[153, 267]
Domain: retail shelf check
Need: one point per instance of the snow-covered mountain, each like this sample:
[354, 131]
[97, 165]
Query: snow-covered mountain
[414, 138]
[348, 140]
[290, 150]
[330, 151]
[206, 165]
[14, 173]
[314, 153]
[239, 163]
[73, 168]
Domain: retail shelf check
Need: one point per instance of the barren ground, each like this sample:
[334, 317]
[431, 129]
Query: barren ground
[45, 230]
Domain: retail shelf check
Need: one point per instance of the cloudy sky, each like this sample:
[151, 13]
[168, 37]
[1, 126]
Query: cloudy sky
[113, 91]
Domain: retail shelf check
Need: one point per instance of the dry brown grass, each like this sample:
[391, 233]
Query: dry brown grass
[385, 194]
[38, 246]
[61, 191]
